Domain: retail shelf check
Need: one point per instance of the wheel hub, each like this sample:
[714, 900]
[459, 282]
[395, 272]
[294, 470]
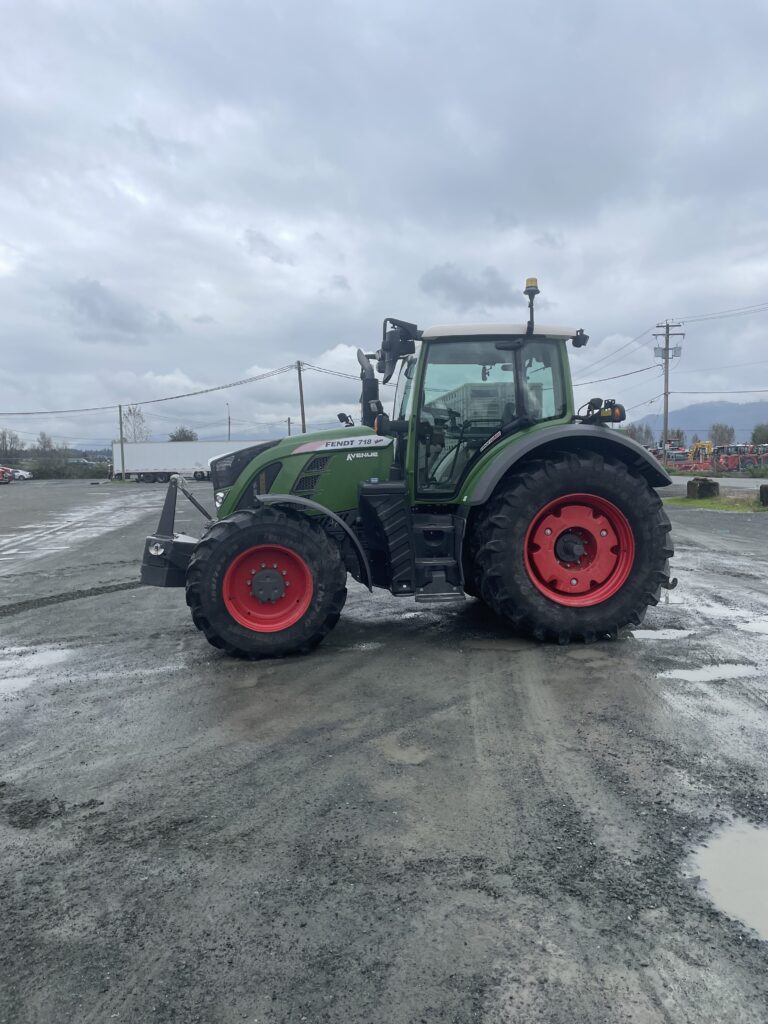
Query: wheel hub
[268, 585]
[570, 546]
[579, 550]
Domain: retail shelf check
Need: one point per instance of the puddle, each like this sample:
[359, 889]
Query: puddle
[661, 634]
[715, 611]
[733, 868]
[757, 626]
[498, 645]
[710, 673]
[20, 667]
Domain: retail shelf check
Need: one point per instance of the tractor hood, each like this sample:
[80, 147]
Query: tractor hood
[325, 466]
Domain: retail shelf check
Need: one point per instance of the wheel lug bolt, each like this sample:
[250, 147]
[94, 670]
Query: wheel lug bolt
[603, 533]
[263, 565]
[285, 572]
[547, 532]
[574, 582]
[274, 565]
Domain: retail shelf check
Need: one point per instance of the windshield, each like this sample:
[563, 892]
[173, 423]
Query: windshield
[473, 393]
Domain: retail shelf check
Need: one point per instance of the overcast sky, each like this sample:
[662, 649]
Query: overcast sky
[194, 191]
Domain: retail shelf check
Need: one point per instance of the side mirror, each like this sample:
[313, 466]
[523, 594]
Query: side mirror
[398, 341]
[345, 419]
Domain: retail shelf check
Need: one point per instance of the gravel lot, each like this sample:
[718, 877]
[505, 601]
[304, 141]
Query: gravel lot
[426, 820]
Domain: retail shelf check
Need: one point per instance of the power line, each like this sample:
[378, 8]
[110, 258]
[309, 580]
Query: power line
[154, 401]
[647, 401]
[616, 352]
[340, 373]
[601, 380]
[722, 314]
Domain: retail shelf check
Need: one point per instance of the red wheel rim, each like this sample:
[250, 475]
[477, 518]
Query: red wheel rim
[579, 550]
[267, 568]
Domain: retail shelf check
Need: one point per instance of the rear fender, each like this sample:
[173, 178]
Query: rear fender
[573, 437]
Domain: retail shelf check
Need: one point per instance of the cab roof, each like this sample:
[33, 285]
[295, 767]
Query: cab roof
[505, 330]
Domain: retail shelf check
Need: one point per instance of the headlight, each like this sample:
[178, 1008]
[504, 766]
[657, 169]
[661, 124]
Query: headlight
[219, 497]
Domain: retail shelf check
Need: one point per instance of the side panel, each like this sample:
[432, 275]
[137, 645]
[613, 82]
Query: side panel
[324, 467]
[484, 477]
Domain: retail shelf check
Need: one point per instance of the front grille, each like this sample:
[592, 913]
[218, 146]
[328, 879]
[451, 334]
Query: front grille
[305, 484]
[225, 470]
[313, 471]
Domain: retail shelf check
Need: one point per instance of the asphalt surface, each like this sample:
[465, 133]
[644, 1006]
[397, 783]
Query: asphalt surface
[428, 819]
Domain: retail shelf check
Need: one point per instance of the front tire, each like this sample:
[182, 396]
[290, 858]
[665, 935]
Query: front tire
[573, 548]
[266, 583]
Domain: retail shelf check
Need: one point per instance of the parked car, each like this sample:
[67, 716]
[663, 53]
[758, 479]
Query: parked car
[6, 475]
[22, 474]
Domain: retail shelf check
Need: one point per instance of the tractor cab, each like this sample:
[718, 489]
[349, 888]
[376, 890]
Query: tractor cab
[464, 389]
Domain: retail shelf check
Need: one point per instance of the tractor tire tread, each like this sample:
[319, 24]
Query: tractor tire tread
[252, 645]
[510, 594]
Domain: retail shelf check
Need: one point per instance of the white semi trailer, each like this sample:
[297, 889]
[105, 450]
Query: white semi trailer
[157, 461]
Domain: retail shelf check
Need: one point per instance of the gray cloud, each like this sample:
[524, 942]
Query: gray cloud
[259, 245]
[601, 159]
[97, 309]
[458, 289]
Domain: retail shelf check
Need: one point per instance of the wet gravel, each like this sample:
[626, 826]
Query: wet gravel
[426, 820]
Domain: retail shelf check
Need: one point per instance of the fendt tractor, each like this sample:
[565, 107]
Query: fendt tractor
[485, 481]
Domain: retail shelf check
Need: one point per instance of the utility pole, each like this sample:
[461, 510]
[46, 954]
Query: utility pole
[666, 353]
[289, 426]
[122, 445]
[301, 398]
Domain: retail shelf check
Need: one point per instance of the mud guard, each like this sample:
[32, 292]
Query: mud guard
[315, 506]
[573, 437]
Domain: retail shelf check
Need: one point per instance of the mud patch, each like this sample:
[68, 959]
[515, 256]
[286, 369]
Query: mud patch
[393, 750]
[30, 813]
[733, 869]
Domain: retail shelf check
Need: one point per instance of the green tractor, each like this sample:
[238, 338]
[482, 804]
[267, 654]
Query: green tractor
[485, 481]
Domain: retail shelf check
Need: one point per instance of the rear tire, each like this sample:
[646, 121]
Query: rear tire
[280, 549]
[617, 523]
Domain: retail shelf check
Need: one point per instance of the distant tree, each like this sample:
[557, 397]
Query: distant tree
[44, 442]
[721, 433]
[183, 434]
[677, 437]
[11, 446]
[695, 440]
[760, 434]
[640, 432]
[134, 425]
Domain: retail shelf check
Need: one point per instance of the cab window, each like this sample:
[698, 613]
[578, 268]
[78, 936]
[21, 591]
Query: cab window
[473, 391]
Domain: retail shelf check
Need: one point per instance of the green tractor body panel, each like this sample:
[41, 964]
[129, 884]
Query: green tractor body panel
[325, 466]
